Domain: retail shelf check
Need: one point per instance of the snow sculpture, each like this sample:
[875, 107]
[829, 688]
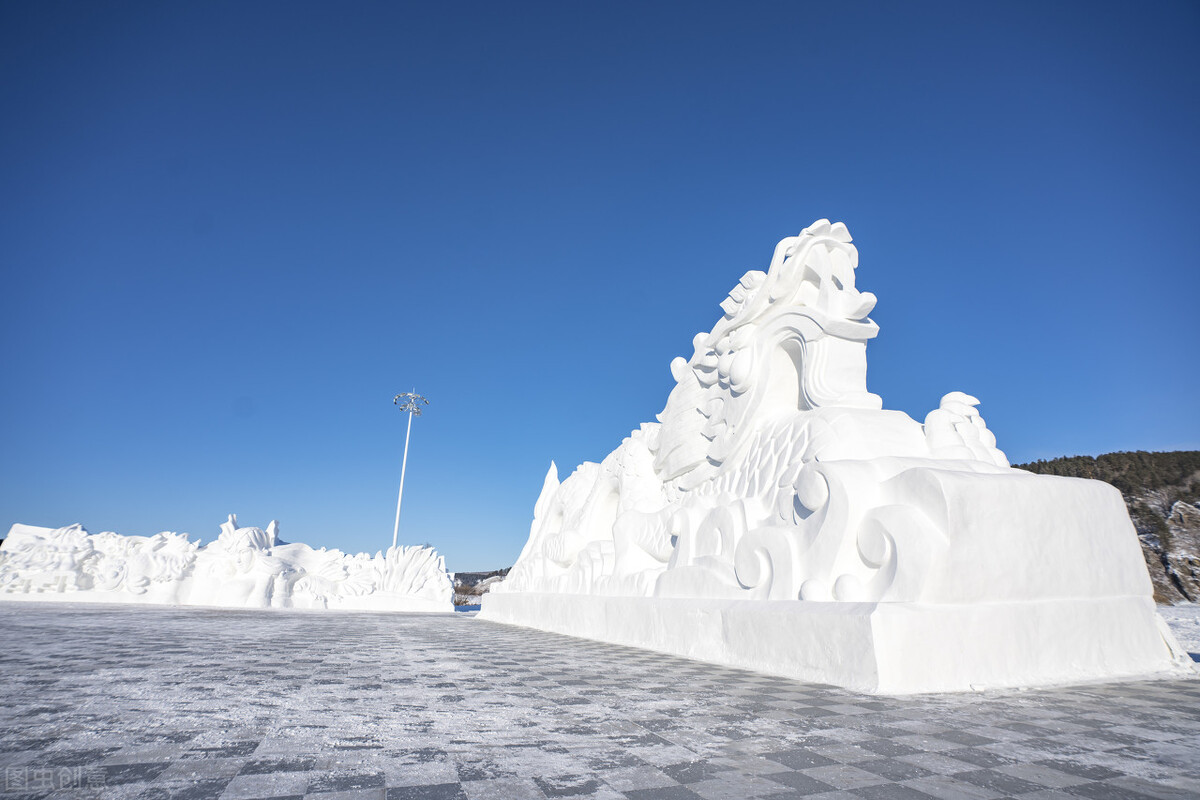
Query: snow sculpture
[243, 568]
[776, 517]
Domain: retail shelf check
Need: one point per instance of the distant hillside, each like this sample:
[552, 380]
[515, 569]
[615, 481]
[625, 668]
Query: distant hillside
[470, 586]
[1162, 491]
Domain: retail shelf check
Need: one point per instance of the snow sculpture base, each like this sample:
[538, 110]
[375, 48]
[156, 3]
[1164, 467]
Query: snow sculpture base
[776, 517]
[878, 648]
[377, 601]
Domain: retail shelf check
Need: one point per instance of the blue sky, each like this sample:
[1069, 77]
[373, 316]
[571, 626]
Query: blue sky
[231, 232]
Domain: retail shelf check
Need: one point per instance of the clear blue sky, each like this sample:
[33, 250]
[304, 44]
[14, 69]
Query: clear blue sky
[230, 232]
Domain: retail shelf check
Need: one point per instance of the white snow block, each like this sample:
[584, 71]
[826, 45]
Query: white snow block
[878, 648]
[775, 517]
[243, 568]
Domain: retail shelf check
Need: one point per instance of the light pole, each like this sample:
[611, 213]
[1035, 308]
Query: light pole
[410, 402]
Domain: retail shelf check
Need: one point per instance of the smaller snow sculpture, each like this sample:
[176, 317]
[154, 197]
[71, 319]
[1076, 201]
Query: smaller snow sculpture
[243, 568]
[777, 517]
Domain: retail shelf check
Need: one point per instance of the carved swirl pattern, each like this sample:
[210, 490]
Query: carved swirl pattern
[766, 474]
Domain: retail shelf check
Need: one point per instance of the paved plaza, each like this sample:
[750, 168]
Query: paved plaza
[129, 702]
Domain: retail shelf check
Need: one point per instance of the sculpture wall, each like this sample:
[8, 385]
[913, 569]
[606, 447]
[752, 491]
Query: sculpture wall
[243, 568]
[776, 517]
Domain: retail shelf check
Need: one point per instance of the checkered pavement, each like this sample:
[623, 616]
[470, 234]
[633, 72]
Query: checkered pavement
[129, 702]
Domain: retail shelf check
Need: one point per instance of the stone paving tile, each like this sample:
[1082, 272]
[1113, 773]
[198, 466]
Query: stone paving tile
[948, 788]
[271, 784]
[800, 783]
[503, 789]
[891, 791]
[128, 703]
[1042, 775]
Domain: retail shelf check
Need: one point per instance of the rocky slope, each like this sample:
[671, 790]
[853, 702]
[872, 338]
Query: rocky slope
[1161, 491]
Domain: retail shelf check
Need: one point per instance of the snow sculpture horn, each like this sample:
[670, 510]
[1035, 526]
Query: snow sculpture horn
[776, 517]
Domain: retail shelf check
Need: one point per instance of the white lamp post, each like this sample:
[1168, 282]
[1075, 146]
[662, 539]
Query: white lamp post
[411, 403]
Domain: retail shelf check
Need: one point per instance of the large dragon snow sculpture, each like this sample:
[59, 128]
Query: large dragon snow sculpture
[896, 556]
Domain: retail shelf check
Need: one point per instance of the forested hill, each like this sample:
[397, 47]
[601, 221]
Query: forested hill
[1162, 492]
[1131, 472]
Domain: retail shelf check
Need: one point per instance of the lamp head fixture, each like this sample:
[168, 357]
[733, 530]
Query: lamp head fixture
[410, 402]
